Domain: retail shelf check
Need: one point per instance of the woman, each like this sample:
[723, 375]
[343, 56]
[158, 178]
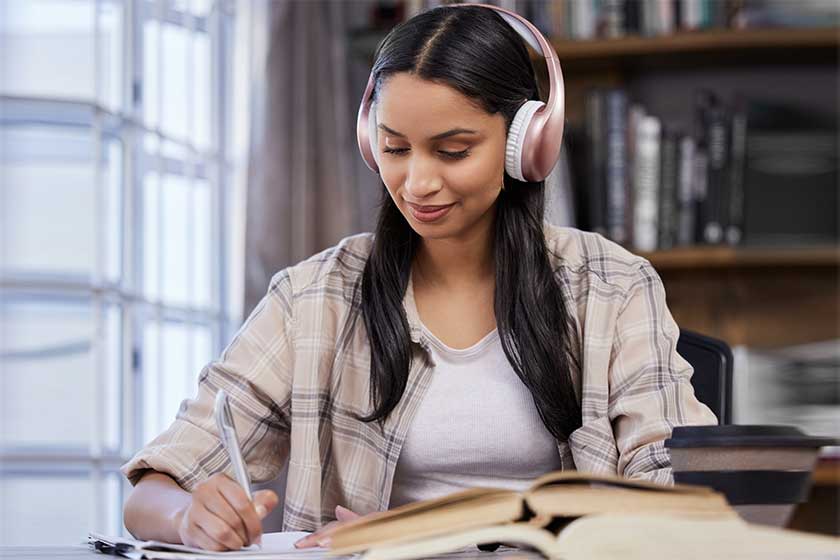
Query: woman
[464, 343]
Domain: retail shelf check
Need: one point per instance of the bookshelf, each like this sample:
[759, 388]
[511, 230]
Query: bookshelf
[709, 257]
[763, 297]
[757, 297]
[613, 62]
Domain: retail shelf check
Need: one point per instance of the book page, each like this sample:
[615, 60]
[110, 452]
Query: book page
[457, 498]
[567, 478]
[284, 542]
[425, 520]
[577, 500]
[642, 537]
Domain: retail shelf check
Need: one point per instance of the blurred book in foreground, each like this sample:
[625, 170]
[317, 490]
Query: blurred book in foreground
[566, 515]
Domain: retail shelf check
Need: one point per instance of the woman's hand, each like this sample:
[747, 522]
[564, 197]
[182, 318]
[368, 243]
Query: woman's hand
[221, 517]
[322, 536]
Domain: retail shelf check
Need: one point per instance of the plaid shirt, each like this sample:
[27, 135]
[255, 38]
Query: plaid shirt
[298, 371]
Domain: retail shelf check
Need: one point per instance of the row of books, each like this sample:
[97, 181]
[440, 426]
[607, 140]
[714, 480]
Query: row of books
[651, 186]
[590, 19]
[609, 19]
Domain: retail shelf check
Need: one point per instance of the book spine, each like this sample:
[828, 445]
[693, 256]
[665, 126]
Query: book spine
[611, 19]
[699, 180]
[691, 14]
[634, 116]
[616, 166]
[703, 100]
[668, 190]
[646, 173]
[735, 227]
[559, 197]
[648, 17]
[632, 17]
[685, 192]
[583, 24]
[718, 14]
[677, 21]
[540, 16]
[706, 14]
[559, 17]
[666, 17]
[595, 150]
[718, 181]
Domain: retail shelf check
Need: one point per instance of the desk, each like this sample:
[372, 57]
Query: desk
[82, 552]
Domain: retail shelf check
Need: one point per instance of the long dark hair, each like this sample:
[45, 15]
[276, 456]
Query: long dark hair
[474, 51]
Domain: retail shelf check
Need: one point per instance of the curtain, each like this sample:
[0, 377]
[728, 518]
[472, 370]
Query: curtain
[307, 185]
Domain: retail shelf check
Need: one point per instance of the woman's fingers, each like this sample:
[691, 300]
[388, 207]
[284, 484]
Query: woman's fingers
[221, 506]
[219, 530]
[244, 510]
[264, 502]
[344, 514]
[317, 538]
[205, 541]
[221, 517]
[321, 537]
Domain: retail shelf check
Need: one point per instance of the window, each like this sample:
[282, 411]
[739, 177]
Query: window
[115, 174]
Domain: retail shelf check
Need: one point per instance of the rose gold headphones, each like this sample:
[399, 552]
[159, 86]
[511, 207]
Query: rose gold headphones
[536, 133]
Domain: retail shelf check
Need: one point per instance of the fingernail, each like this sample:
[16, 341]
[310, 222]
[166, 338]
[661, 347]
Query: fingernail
[300, 542]
[261, 511]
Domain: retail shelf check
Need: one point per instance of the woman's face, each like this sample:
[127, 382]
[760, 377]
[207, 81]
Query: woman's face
[441, 157]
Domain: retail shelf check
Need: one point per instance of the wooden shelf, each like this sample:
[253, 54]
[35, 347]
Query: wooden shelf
[710, 41]
[737, 257]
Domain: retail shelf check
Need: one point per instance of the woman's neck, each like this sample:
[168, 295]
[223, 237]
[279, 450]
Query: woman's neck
[461, 263]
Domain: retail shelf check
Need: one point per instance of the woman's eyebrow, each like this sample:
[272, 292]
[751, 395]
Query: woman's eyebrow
[440, 136]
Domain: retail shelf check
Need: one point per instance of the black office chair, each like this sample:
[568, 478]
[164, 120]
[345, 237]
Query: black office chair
[712, 379]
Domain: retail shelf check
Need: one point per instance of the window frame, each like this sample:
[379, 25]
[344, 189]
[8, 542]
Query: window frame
[127, 291]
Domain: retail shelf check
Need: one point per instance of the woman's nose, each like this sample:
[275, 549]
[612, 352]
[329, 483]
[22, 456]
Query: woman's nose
[423, 178]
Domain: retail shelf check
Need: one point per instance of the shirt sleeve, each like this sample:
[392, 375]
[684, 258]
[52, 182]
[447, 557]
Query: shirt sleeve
[255, 370]
[650, 383]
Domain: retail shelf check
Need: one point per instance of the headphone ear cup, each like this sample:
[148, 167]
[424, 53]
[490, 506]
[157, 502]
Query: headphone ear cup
[373, 132]
[516, 138]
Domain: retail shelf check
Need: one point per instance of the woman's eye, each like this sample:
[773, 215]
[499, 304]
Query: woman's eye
[457, 155]
[451, 155]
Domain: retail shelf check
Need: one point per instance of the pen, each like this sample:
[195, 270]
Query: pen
[227, 432]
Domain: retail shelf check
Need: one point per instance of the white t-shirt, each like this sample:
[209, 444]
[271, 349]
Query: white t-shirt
[476, 426]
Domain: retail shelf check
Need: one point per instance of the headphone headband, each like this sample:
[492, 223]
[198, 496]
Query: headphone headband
[535, 137]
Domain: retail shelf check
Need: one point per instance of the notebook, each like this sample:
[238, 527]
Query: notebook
[277, 546]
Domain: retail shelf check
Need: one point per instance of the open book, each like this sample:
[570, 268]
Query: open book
[571, 515]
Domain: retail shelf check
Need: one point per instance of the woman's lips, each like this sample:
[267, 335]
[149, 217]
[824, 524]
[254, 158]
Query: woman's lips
[429, 213]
